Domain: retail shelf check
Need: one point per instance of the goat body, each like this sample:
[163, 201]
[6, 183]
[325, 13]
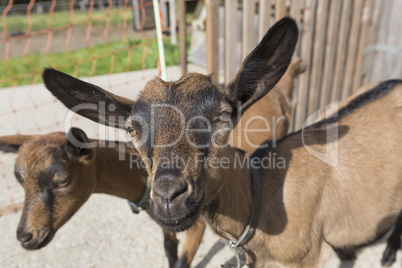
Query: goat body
[337, 182]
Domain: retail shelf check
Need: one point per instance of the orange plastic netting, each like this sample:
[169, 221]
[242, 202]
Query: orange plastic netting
[79, 38]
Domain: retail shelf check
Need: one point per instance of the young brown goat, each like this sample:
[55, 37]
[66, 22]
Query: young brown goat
[306, 203]
[58, 178]
[129, 183]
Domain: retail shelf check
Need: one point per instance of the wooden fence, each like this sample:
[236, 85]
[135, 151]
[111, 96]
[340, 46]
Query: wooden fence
[345, 43]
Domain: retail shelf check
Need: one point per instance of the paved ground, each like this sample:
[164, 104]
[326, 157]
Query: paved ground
[104, 233]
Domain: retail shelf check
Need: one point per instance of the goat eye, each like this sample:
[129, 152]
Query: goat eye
[131, 131]
[223, 117]
[63, 183]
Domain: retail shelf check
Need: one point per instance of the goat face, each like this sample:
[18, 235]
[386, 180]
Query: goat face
[175, 126]
[48, 168]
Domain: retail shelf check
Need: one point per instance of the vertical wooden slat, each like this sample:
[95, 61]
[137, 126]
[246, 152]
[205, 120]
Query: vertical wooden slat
[399, 45]
[230, 39]
[341, 50]
[295, 12]
[182, 36]
[248, 28]
[378, 66]
[172, 20]
[295, 9]
[371, 40]
[264, 18]
[212, 38]
[330, 52]
[305, 54]
[357, 79]
[318, 55]
[280, 9]
[391, 42]
[352, 49]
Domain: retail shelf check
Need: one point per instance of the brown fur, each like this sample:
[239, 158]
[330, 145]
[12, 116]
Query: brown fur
[306, 203]
[102, 174]
[34, 157]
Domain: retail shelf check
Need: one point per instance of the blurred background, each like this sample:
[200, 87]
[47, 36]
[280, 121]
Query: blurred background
[113, 44]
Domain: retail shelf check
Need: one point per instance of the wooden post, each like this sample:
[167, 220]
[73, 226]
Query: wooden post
[357, 78]
[248, 28]
[352, 49]
[172, 19]
[264, 18]
[342, 50]
[280, 9]
[392, 52]
[305, 54]
[182, 36]
[318, 56]
[295, 12]
[368, 60]
[330, 52]
[212, 38]
[230, 39]
[383, 31]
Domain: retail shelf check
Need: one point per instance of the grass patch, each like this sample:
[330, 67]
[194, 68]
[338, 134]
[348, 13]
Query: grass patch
[20, 23]
[144, 55]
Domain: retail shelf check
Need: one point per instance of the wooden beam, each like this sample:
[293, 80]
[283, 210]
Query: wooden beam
[330, 52]
[318, 56]
[172, 20]
[230, 39]
[248, 28]
[264, 18]
[341, 50]
[305, 54]
[212, 38]
[182, 36]
[352, 49]
[280, 9]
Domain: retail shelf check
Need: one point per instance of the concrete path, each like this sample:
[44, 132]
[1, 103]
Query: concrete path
[104, 233]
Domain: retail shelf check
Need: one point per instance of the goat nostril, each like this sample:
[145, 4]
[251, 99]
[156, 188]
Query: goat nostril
[26, 237]
[178, 192]
[168, 192]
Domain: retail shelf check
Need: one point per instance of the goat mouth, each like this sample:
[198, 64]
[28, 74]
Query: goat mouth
[43, 239]
[179, 224]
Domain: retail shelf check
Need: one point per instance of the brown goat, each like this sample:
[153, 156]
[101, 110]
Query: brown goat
[306, 203]
[130, 182]
[58, 178]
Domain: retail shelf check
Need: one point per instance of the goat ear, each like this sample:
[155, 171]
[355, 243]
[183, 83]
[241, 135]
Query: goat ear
[264, 66]
[88, 100]
[11, 143]
[78, 144]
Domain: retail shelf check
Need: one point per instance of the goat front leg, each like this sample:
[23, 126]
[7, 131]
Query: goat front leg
[192, 241]
[170, 244]
[394, 243]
